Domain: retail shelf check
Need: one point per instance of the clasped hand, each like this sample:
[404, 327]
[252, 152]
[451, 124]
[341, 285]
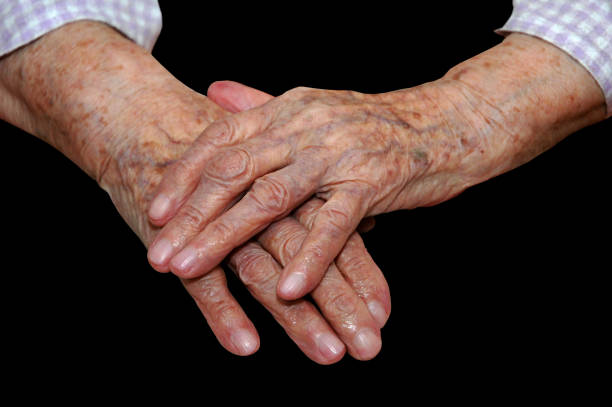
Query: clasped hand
[361, 154]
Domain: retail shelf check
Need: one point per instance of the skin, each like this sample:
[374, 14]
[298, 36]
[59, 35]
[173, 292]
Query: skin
[365, 154]
[111, 108]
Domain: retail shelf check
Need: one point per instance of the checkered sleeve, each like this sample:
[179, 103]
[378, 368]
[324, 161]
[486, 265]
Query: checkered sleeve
[22, 21]
[582, 28]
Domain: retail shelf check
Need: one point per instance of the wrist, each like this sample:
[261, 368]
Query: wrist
[62, 82]
[530, 95]
[489, 115]
[109, 106]
[87, 90]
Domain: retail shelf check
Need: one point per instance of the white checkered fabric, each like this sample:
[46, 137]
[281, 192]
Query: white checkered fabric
[582, 28]
[22, 21]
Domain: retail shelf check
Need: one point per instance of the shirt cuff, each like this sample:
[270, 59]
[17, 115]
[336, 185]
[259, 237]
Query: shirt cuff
[23, 21]
[582, 28]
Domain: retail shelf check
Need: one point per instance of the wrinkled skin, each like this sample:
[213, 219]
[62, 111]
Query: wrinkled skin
[111, 108]
[364, 155]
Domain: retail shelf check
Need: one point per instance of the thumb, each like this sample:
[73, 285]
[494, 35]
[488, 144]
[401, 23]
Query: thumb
[236, 97]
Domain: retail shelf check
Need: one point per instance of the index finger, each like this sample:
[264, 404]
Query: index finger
[181, 179]
[335, 221]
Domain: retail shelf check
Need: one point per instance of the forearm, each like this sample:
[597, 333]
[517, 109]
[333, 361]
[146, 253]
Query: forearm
[486, 116]
[106, 104]
[369, 154]
[528, 95]
[62, 87]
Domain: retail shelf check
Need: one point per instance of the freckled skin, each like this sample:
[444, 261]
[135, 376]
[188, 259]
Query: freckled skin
[369, 154]
[110, 107]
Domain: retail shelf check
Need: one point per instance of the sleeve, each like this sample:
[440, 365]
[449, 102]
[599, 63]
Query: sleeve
[582, 28]
[22, 21]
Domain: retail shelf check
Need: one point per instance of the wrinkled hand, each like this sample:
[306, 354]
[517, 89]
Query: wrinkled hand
[348, 285]
[352, 299]
[367, 154]
[362, 154]
[124, 119]
[112, 109]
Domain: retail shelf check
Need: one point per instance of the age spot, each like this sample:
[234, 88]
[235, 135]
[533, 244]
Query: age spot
[419, 156]
[461, 73]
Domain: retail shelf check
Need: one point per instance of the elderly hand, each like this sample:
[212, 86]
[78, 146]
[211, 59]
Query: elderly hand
[124, 119]
[365, 154]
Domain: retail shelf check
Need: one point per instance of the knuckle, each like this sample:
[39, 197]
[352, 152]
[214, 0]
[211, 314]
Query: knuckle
[191, 216]
[290, 246]
[223, 132]
[254, 268]
[306, 213]
[317, 254]
[270, 195]
[338, 221]
[365, 285]
[224, 312]
[210, 288]
[230, 165]
[274, 234]
[227, 314]
[354, 263]
[341, 303]
[221, 230]
[298, 314]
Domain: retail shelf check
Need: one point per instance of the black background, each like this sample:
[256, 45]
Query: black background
[500, 288]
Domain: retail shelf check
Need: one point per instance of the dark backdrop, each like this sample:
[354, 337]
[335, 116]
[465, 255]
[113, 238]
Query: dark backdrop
[500, 286]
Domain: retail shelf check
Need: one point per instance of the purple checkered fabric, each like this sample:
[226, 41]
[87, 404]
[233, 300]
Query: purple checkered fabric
[22, 21]
[582, 28]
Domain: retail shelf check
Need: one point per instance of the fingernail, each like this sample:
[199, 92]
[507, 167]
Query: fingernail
[244, 341]
[329, 345]
[293, 284]
[367, 344]
[183, 261]
[159, 207]
[378, 312]
[160, 252]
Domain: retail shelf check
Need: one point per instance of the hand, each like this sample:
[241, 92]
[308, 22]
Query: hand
[367, 154]
[124, 122]
[353, 300]
[350, 288]
[352, 276]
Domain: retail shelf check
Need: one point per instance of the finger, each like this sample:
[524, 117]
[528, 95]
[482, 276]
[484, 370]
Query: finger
[223, 179]
[236, 97]
[232, 96]
[233, 329]
[336, 299]
[182, 177]
[270, 197]
[334, 223]
[300, 319]
[357, 267]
